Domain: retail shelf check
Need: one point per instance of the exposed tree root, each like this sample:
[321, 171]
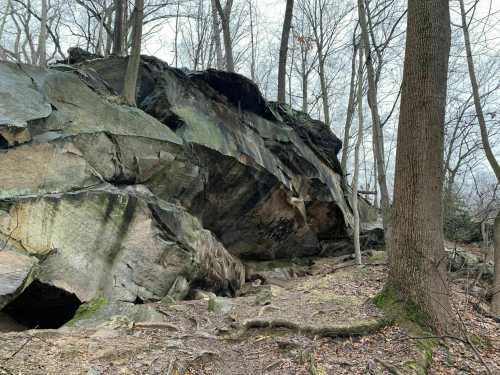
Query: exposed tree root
[356, 329]
[156, 325]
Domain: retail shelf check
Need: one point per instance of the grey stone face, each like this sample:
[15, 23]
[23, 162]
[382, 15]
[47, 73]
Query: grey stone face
[134, 204]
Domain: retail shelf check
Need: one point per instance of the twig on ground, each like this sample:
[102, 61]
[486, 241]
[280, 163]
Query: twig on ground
[28, 340]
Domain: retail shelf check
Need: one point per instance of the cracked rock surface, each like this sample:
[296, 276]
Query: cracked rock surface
[141, 204]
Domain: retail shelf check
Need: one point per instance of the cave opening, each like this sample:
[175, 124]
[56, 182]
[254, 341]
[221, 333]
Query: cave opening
[3, 143]
[43, 306]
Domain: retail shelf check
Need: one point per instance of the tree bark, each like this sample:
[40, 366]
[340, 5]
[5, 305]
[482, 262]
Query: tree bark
[495, 303]
[357, 247]
[378, 136]
[118, 28]
[285, 36]
[417, 263]
[134, 60]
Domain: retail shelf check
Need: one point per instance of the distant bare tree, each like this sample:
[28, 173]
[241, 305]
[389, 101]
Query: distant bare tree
[359, 139]
[224, 15]
[324, 18]
[130, 82]
[285, 36]
[495, 302]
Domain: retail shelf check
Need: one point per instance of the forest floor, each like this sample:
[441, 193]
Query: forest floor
[323, 321]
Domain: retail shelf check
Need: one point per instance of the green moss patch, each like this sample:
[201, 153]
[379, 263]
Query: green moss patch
[408, 316]
[88, 309]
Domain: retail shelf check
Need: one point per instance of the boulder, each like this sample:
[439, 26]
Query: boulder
[279, 188]
[137, 204]
[123, 243]
[16, 272]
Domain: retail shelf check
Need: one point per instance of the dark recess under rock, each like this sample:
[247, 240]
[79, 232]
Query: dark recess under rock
[43, 306]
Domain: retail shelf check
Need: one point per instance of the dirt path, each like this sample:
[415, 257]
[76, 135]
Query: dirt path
[320, 323]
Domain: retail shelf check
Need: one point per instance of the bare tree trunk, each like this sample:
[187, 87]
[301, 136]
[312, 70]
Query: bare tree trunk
[134, 60]
[495, 303]
[125, 26]
[375, 186]
[109, 36]
[118, 28]
[216, 31]
[305, 76]
[252, 42]
[285, 36]
[225, 15]
[42, 38]
[417, 263]
[290, 76]
[324, 88]
[350, 111]
[357, 247]
[378, 138]
[100, 35]
[176, 36]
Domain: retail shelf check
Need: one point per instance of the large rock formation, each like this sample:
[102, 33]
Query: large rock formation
[134, 204]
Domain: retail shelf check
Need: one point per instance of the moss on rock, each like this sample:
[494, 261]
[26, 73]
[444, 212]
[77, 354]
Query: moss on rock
[88, 309]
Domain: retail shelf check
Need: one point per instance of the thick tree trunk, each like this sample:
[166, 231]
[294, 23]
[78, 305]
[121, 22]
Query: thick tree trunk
[134, 60]
[350, 112]
[495, 303]
[378, 136]
[118, 28]
[417, 260]
[357, 246]
[285, 36]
